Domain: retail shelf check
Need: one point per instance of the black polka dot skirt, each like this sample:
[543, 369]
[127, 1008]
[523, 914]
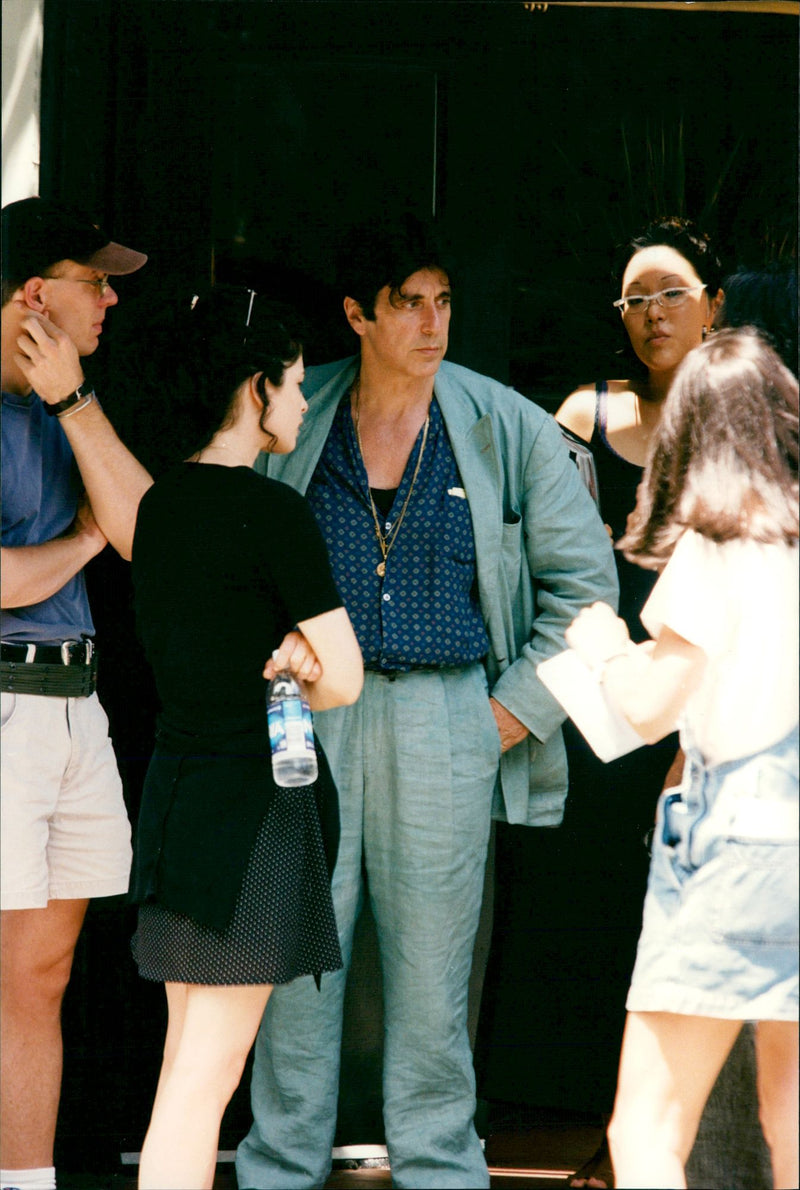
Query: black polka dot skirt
[283, 924]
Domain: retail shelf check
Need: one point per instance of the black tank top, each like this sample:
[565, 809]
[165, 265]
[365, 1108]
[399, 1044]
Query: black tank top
[617, 482]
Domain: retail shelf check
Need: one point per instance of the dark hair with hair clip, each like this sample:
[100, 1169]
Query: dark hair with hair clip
[191, 359]
[682, 235]
[381, 252]
[233, 335]
[724, 461]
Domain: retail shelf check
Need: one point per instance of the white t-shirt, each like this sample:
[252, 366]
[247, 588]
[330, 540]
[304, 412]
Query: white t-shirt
[739, 602]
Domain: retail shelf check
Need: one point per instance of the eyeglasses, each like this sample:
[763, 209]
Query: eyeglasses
[670, 299]
[102, 285]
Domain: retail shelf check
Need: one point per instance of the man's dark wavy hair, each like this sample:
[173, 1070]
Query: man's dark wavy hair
[382, 251]
[685, 237]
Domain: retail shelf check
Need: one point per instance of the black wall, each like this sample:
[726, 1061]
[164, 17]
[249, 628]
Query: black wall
[219, 133]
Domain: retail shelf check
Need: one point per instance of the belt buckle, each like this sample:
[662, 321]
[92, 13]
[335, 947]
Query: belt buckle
[67, 646]
[30, 654]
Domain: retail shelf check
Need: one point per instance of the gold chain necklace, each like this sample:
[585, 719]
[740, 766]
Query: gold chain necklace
[386, 543]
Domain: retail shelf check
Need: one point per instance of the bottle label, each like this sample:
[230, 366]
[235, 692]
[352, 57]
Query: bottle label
[291, 730]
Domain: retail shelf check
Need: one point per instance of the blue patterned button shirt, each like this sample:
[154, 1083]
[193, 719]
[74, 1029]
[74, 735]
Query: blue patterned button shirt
[424, 611]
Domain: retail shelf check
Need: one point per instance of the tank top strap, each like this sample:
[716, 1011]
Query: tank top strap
[601, 412]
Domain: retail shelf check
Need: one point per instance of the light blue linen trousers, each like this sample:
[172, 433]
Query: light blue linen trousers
[415, 762]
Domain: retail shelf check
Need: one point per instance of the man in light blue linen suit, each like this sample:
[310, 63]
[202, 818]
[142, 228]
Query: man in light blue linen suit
[463, 543]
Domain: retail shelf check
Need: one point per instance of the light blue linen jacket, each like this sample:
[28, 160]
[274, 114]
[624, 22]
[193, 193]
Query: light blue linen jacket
[542, 554]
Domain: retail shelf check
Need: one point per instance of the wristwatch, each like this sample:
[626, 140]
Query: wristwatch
[84, 392]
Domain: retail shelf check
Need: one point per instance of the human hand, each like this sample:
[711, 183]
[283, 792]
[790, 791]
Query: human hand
[48, 359]
[295, 654]
[510, 729]
[596, 634]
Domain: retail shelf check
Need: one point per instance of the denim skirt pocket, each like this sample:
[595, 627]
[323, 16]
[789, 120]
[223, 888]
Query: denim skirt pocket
[757, 884]
[755, 902]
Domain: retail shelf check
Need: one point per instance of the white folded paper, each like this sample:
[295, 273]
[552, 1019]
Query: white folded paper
[607, 732]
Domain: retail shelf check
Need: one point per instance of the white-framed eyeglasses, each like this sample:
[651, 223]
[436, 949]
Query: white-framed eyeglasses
[670, 299]
[102, 284]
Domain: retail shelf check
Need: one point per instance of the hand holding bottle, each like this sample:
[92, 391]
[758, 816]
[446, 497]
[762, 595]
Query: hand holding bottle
[295, 655]
[291, 729]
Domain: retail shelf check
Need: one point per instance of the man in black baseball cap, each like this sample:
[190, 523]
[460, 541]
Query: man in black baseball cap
[65, 834]
[38, 233]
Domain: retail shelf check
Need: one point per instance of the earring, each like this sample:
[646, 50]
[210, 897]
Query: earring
[705, 333]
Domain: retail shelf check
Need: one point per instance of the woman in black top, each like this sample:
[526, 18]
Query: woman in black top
[554, 1041]
[231, 872]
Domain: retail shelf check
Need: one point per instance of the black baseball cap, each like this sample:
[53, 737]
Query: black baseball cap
[37, 233]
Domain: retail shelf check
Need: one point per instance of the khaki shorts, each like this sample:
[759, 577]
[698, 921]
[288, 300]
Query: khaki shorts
[64, 831]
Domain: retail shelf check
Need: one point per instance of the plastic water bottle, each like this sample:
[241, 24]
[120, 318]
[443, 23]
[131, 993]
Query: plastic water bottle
[291, 733]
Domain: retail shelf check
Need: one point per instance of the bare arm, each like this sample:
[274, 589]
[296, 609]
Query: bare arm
[325, 655]
[114, 480]
[332, 638]
[31, 573]
[650, 683]
[576, 412]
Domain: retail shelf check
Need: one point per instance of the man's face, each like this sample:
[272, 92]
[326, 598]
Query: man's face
[75, 303]
[408, 335]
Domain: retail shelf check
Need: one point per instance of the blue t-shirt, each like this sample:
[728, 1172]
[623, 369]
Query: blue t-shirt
[40, 487]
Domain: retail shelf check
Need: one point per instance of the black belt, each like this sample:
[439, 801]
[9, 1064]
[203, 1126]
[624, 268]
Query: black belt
[393, 674]
[68, 670]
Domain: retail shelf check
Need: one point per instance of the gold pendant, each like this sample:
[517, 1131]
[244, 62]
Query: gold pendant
[380, 569]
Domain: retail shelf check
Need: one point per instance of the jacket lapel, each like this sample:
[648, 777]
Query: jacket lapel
[473, 443]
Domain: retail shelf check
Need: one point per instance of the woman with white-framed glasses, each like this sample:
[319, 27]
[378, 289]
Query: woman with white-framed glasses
[669, 296]
[593, 871]
[670, 292]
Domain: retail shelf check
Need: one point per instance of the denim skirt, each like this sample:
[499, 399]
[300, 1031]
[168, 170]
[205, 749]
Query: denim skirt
[720, 930]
